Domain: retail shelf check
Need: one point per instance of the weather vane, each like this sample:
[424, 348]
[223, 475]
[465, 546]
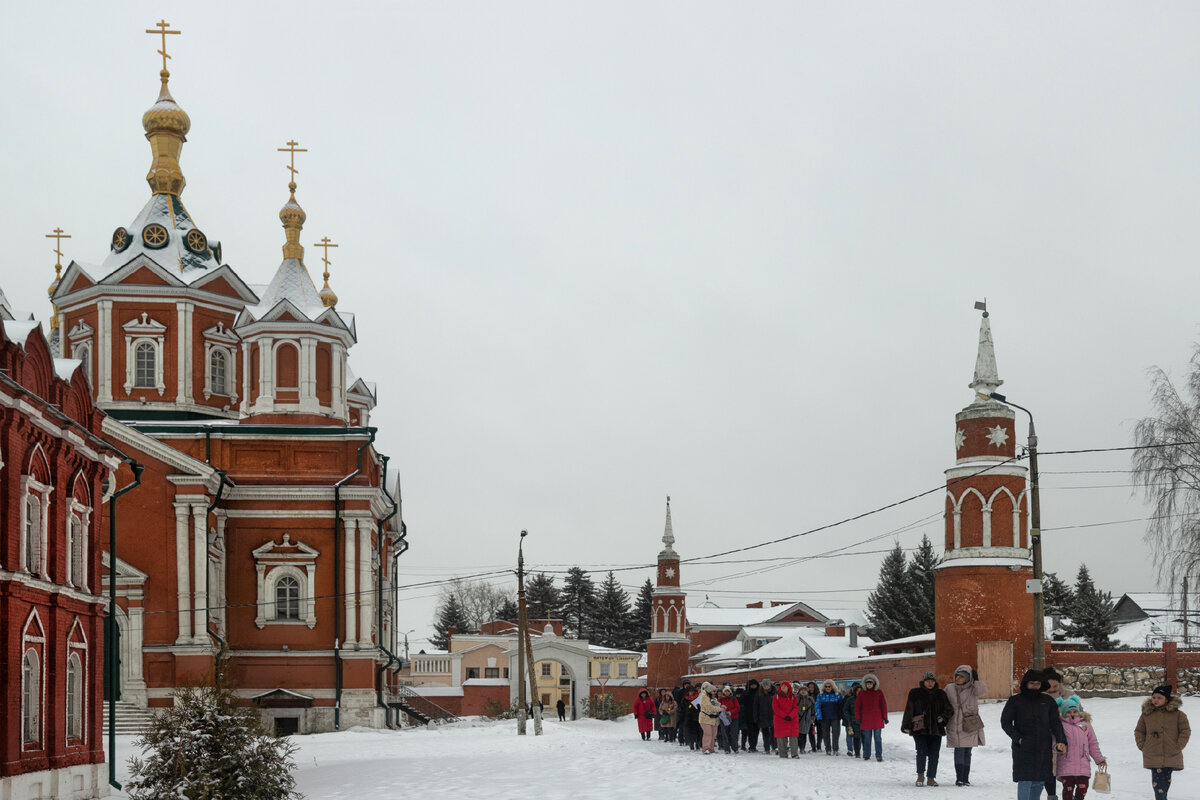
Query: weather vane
[58, 236]
[163, 31]
[292, 149]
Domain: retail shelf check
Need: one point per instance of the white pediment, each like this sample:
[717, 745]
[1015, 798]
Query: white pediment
[219, 333]
[285, 551]
[144, 325]
[81, 331]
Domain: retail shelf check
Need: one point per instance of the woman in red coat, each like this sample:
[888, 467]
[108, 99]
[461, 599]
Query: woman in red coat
[870, 706]
[787, 720]
[644, 711]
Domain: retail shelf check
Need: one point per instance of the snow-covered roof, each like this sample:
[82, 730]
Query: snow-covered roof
[1153, 603]
[612, 651]
[5, 306]
[850, 616]
[65, 367]
[19, 332]
[920, 637]
[174, 254]
[733, 617]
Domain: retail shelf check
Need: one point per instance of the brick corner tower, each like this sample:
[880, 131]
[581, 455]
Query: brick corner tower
[983, 614]
[669, 645]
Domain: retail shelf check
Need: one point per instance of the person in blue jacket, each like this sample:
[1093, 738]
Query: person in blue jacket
[829, 716]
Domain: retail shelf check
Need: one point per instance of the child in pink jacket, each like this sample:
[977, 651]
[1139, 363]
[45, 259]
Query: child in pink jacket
[1074, 771]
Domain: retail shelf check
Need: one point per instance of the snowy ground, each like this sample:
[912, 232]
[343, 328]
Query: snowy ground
[590, 759]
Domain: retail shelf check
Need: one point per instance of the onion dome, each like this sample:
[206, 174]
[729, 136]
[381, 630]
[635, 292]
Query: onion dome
[166, 126]
[328, 297]
[292, 216]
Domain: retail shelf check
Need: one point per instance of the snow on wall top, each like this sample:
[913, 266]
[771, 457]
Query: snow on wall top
[65, 367]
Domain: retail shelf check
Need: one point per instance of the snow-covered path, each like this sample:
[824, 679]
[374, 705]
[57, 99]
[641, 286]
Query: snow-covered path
[590, 759]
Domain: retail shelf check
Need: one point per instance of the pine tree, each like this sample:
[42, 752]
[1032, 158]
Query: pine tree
[542, 599]
[890, 606]
[921, 579]
[578, 603]
[200, 748]
[611, 617]
[449, 615]
[643, 607]
[1092, 613]
[1057, 596]
[508, 610]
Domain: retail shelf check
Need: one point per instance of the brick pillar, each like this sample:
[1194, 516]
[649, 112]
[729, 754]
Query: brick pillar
[1171, 663]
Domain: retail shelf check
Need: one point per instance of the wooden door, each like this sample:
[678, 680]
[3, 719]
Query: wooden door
[995, 667]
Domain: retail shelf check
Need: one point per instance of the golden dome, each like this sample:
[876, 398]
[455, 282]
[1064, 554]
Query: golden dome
[292, 216]
[166, 126]
[328, 298]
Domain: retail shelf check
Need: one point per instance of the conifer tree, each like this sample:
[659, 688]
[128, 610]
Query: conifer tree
[890, 607]
[578, 604]
[921, 579]
[508, 610]
[612, 614]
[639, 627]
[1057, 596]
[449, 615]
[542, 598]
[1092, 613]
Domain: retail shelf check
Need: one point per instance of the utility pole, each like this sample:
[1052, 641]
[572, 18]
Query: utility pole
[525, 649]
[521, 623]
[1185, 613]
[1035, 540]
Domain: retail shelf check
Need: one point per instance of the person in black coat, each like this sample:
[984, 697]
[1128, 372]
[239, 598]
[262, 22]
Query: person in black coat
[678, 693]
[764, 714]
[1031, 720]
[748, 715]
[925, 716]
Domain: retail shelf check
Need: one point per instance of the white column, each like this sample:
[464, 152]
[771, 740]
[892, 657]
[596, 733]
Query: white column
[366, 601]
[182, 343]
[182, 569]
[337, 369]
[200, 534]
[104, 345]
[349, 589]
[245, 375]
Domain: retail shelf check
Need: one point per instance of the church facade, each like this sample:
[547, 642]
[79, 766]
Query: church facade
[263, 534]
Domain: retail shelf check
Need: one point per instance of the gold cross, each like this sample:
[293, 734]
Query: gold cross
[163, 31]
[325, 244]
[58, 236]
[293, 149]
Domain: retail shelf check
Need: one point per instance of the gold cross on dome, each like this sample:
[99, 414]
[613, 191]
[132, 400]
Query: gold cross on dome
[163, 31]
[58, 236]
[293, 149]
[325, 244]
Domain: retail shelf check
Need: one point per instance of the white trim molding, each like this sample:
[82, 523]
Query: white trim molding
[273, 561]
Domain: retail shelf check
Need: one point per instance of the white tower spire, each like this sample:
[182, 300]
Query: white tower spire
[987, 378]
[668, 550]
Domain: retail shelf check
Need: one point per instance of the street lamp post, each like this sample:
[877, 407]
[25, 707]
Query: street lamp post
[406, 633]
[1035, 539]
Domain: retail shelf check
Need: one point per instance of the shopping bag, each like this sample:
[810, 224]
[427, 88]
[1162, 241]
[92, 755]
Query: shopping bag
[1102, 782]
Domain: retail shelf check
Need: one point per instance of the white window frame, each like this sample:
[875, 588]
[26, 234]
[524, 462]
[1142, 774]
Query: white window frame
[32, 490]
[79, 650]
[547, 670]
[605, 669]
[622, 669]
[138, 332]
[278, 579]
[82, 352]
[32, 718]
[78, 514]
[211, 387]
[272, 562]
[220, 339]
[74, 698]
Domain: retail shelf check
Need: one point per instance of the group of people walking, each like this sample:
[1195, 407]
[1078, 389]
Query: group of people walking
[1053, 741]
[783, 718]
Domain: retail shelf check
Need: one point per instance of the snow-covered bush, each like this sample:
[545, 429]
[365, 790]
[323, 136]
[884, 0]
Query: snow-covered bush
[606, 706]
[207, 747]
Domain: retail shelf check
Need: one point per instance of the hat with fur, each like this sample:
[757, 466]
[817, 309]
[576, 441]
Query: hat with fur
[870, 676]
[930, 676]
[708, 687]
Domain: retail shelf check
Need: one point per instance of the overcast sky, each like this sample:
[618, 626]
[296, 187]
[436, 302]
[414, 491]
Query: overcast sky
[605, 252]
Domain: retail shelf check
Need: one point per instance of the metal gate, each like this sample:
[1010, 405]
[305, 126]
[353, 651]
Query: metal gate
[995, 668]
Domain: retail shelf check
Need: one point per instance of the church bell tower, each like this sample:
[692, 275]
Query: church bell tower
[669, 646]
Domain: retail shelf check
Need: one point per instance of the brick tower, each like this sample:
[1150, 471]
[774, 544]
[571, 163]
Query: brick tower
[668, 649]
[984, 616]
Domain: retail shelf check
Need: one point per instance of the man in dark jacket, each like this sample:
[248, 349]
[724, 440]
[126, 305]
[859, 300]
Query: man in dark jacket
[925, 716]
[764, 714]
[678, 692]
[747, 717]
[1031, 720]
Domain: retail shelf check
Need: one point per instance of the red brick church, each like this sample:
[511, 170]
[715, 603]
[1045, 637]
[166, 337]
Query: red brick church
[262, 531]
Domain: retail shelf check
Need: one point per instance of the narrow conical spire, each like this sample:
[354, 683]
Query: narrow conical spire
[668, 535]
[987, 377]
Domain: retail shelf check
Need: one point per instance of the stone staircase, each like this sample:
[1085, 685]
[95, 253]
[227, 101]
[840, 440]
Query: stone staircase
[131, 720]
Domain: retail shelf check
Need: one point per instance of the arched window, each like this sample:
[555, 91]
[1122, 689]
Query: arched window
[75, 569]
[287, 598]
[218, 372]
[83, 352]
[32, 557]
[31, 698]
[74, 697]
[145, 366]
